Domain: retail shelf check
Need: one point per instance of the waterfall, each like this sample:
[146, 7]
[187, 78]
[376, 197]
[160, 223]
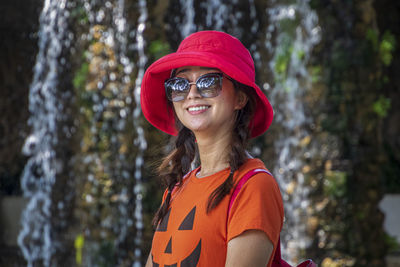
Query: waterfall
[140, 141]
[114, 159]
[120, 28]
[188, 25]
[37, 239]
[297, 32]
[108, 185]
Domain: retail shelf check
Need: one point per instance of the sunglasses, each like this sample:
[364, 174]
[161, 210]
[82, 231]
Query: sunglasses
[208, 85]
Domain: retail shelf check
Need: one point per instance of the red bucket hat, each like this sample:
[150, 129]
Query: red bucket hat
[207, 49]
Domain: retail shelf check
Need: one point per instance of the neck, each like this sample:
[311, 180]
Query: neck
[214, 153]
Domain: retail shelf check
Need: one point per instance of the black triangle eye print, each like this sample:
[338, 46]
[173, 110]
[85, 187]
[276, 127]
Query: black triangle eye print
[162, 227]
[187, 223]
[168, 249]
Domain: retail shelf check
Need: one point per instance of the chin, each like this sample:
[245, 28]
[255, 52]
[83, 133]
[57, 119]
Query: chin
[195, 125]
[196, 128]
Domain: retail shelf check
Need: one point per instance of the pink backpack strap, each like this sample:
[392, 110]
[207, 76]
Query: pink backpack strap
[241, 182]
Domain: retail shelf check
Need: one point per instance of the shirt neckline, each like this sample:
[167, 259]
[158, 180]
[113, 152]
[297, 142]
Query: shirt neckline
[205, 179]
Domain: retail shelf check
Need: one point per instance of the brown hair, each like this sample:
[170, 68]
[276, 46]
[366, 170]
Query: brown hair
[178, 162]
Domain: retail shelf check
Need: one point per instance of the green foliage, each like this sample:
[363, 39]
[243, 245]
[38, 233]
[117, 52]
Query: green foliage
[335, 184]
[282, 58]
[316, 72]
[387, 47]
[392, 243]
[80, 14]
[282, 61]
[289, 25]
[381, 106]
[372, 35]
[79, 243]
[159, 48]
[286, 51]
[81, 76]
[301, 54]
[384, 47]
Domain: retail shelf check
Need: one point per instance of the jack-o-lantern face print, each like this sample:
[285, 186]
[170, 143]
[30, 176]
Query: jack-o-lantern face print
[186, 225]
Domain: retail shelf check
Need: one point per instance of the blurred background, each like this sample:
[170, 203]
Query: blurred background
[77, 159]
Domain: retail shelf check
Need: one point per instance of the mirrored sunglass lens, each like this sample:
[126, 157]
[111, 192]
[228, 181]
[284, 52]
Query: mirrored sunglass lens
[209, 86]
[177, 88]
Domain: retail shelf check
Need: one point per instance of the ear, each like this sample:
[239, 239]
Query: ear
[241, 100]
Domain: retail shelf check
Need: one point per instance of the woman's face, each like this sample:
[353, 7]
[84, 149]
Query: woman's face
[208, 115]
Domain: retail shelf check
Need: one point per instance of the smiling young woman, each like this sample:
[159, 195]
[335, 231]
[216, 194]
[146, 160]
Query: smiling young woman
[206, 96]
[208, 117]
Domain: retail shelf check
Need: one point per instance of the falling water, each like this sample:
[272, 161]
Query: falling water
[297, 32]
[36, 238]
[124, 217]
[110, 89]
[188, 25]
[140, 141]
[217, 14]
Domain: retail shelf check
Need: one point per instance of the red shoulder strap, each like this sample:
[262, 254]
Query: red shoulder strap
[277, 261]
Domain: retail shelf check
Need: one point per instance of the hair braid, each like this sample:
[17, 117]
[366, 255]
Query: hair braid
[237, 154]
[175, 166]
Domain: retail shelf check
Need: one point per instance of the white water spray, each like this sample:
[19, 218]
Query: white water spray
[291, 54]
[117, 165]
[140, 140]
[36, 238]
[188, 25]
[217, 14]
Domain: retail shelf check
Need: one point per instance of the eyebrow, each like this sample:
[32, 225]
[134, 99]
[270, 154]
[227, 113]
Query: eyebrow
[187, 69]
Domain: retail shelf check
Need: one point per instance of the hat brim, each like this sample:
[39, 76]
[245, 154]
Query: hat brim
[159, 112]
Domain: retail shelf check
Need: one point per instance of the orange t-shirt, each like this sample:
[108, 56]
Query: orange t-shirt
[188, 236]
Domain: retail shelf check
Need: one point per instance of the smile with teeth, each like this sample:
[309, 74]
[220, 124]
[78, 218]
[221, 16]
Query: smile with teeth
[198, 108]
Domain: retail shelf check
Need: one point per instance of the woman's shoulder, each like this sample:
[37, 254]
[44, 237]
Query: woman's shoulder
[264, 177]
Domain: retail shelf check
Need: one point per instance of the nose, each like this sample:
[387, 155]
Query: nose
[193, 92]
